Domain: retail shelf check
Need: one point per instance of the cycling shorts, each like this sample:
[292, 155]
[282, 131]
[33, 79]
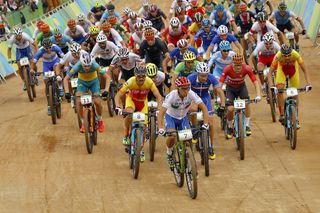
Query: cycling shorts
[292, 72]
[138, 106]
[48, 66]
[93, 86]
[174, 123]
[207, 101]
[25, 52]
[233, 93]
[266, 60]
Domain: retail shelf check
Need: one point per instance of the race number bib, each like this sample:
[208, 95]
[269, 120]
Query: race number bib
[24, 61]
[239, 104]
[152, 104]
[138, 117]
[291, 92]
[74, 82]
[86, 99]
[49, 74]
[185, 135]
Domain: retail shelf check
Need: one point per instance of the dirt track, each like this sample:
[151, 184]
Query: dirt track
[46, 168]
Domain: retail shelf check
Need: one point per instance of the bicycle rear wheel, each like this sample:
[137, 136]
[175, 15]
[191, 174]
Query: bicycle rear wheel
[111, 104]
[205, 151]
[26, 72]
[87, 127]
[58, 103]
[191, 173]
[177, 171]
[293, 132]
[137, 150]
[51, 104]
[241, 136]
[94, 134]
[152, 137]
[272, 104]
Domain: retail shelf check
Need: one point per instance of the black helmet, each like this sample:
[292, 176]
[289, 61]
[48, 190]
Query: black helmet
[46, 43]
[286, 49]
[262, 16]
[282, 6]
[140, 69]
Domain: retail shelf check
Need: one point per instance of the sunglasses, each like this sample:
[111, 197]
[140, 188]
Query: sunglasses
[140, 76]
[225, 50]
[287, 55]
[175, 27]
[268, 43]
[189, 62]
[185, 88]
[262, 21]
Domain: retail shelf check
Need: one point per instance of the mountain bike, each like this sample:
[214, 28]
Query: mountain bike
[184, 161]
[90, 120]
[74, 85]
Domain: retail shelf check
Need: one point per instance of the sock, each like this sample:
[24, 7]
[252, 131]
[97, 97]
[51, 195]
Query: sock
[99, 117]
[169, 151]
[247, 120]
[229, 123]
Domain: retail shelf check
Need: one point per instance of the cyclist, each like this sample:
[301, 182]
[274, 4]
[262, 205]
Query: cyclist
[194, 8]
[76, 32]
[208, 6]
[109, 12]
[183, 18]
[37, 30]
[113, 21]
[221, 59]
[138, 88]
[125, 15]
[159, 78]
[205, 34]
[175, 4]
[261, 27]
[236, 88]
[144, 10]
[133, 19]
[200, 83]
[61, 40]
[177, 53]
[260, 5]
[223, 35]
[104, 51]
[287, 62]
[221, 16]
[153, 49]
[195, 27]
[157, 17]
[136, 38]
[282, 17]
[89, 43]
[265, 51]
[23, 44]
[147, 25]
[111, 34]
[174, 109]
[50, 54]
[126, 61]
[45, 33]
[96, 12]
[85, 24]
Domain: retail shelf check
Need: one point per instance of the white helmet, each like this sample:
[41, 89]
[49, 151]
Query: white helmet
[101, 38]
[268, 37]
[202, 68]
[126, 10]
[17, 31]
[147, 24]
[75, 47]
[123, 52]
[81, 17]
[174, 22]
[86, 59]
[222, 30]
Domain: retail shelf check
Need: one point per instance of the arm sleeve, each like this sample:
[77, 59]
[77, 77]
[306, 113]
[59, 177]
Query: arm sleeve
[125, 87]
[224, 74]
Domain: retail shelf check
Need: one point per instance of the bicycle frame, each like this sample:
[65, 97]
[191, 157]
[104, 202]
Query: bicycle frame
[288, 103]
[136, 126]
[237, 113]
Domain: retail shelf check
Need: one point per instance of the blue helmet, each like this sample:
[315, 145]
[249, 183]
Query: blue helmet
[219, 7]
[224, 45]
[205, 22]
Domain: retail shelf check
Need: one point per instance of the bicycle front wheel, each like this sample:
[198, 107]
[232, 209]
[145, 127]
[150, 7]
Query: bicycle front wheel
[241, 135]
[178, 171]
[272, 104]
[87, 127]
[137, 149]
[205, 151]
[152, 137]
[293, 132]
[51, 104]
[191, 173]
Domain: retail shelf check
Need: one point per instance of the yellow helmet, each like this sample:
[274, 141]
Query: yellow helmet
[97, 4]
[93, 30]
[152, 69]
[189, 56]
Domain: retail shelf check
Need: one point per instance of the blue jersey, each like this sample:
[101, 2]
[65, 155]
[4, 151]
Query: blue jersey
[48, 57]
[86, 76]
[206, 37]
[177, 53]
[63, 42]
[282, 20]
[219, 21]
[202, 89]
[216, 40]
[220, 63]
[106, 15]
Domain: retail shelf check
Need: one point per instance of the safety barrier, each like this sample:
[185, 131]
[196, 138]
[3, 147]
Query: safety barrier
[309, 11]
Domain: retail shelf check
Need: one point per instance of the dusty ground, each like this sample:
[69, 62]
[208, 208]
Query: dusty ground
[46, 168]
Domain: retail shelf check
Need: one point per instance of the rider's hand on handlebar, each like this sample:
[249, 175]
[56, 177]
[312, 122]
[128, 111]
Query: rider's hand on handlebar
[118, 110]
[162, 132]
[68, 96]
[303, 32]
[257, 99]
[105, 94]
[205, 126]
[308, 88]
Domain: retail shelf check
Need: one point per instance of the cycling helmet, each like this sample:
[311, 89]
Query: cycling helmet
[182, 81]
[140, 69]
[153, 8]
[182, 43]
[75, 47]
[147, 24]
[112, 20]
[174, 22]
[198, 17]
[189, 56]
[222, 30]
[282, 6]
[261, 16]
[81, 17]
[224, 45]
[110, 6]
[101, 38]
[93, 30]
[105, 26]
[85, 59]
[132, 15]
[123, 52]
[138, 26]
[206, 22]
[268, 37]
[71, 23]
[152, 69]
[237, 59]
[45, 28]
[219, 7]
[126, 10]
[193, 3]
[180, 11]
[39, 23]
[17, 31]
[149, 34]
[46, 43]
[56, 32]
[286, 49]
[97, 5]
[145, 3]
[202, 68]
[243, 7]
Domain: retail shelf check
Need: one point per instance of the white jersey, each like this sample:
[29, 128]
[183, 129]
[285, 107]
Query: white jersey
[77, 34]
[86, 25]
[130, 24]
[160, 78]
[108, 53]
[260, 32]
[35, 33]
[70, 59]
[115, 36]
[261, 49]
[174, 6]
[24, 42]
[133, 59]
[143, 13]
[177, 107]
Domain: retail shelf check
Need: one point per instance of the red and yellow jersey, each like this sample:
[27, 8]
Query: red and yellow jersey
[138, 93]
[283, 61]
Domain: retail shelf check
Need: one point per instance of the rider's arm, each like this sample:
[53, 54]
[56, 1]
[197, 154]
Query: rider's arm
[165, 63]
[204, 109]
[270, 6]
[254, 80]
[305, 71]
[161, 114]
[156, 94]
[301, 22]
[9, 54]
[121, 94]
[107, 77]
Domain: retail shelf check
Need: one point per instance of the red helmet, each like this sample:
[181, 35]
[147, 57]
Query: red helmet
[112, 19]
[72, 23]
[237, 59]
[182, 81]
[243, 7]
[39, 23]
[45, 28]
[105, 26]
[149, 34]
[153, 8]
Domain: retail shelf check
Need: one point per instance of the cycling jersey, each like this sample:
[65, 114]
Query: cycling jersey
[133, 59]
[24, 42]
[97, 15]
[156, 20]
[174, 6]
[191, 12]
[262, 50]
[70, 59]
[260, 32]
[86, 25]
[63, 42]
[78, 36]
[216, 40]
[174, 37]
[181, 69]
[86, 76]
[153, 54]
[283, 20]
[209, 6]
[236, 79]
[220, 63]
[224, 20]
[244, 20]
[113, 36]
[177, 107]
[130, 24]
[176, 52]
[36, 32]
[143, 13]
[259, 5]
[107, 53]
[106, 15]
[135, 42]
[187, 21]
[202, 89]
[48, 57]
[206, 37]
